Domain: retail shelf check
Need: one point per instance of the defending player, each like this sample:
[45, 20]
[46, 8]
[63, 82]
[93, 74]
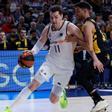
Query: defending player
[91, 34]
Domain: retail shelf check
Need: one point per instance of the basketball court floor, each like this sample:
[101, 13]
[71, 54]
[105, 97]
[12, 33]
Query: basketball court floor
[39, 102]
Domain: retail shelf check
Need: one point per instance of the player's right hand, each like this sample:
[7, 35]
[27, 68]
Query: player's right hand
[20, 61]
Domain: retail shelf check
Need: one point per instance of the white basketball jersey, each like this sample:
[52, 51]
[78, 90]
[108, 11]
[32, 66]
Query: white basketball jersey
[60, 53]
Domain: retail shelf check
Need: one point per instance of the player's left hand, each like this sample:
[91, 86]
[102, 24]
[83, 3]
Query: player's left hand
[98, 65]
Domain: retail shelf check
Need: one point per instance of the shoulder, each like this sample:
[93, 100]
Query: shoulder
[46, 28]
[88, 25]
[71, 26]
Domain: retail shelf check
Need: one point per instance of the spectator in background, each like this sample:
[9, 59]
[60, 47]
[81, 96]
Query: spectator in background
[3, 41]
[2, 18]
[22, 42]
[103, 29]
[68, 15]
[12, 38]
[17, 14]
[35, 13]
[24, 6]
[52, 2]
[13, 6]
[46, 19]
[99, 20]
[109, 25]
[33, 27]
[8, 14]
[32, 38]
[21, 23]
[28, 17]
[36, 3]
[6, 27]
[40, 25]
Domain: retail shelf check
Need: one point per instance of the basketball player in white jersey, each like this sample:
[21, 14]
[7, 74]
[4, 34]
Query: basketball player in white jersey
[59, 61]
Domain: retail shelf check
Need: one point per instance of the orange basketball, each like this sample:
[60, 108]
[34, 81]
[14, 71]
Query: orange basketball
[26, 59]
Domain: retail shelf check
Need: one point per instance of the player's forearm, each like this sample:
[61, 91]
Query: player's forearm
[37, 47]
[84, 45]
[91, 51]
[93, 55]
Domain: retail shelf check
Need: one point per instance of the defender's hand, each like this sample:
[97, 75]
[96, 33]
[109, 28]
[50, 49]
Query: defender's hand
[98, 65]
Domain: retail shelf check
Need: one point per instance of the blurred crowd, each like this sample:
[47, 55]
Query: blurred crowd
[22, 21]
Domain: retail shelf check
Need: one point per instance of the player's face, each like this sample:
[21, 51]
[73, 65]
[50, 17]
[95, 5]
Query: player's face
[56, 18]
[79, 13]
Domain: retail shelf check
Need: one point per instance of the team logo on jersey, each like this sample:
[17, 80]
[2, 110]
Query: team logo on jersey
[59, 83]
[61, 34]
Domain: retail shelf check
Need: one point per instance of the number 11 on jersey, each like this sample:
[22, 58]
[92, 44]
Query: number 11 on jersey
[57, 48]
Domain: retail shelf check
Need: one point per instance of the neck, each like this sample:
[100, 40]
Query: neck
[86, 16]
[57, 27]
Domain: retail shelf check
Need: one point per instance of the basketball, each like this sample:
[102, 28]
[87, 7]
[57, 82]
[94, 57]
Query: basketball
[26, 59]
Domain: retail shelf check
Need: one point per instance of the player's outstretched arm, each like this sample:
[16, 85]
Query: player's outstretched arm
[40, 43]
[88, 32]
[75, 35]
